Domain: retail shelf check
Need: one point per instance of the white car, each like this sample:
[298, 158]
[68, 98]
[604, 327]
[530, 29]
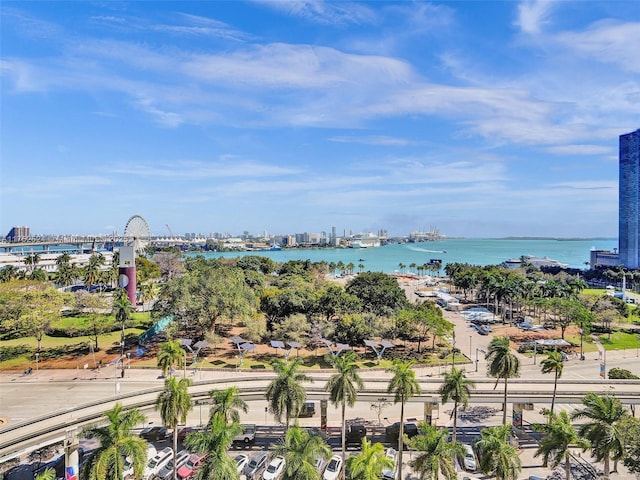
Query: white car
[166, 472]
[241, 460]
[159, 461]
[390, 474]
[334, 467]
[469, 459]
[274, 469]
[128, 466]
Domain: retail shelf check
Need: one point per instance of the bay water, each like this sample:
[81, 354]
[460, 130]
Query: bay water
[475, 251]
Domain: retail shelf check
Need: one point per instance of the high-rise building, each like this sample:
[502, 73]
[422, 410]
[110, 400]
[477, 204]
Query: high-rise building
[629, 197]
[18, 234]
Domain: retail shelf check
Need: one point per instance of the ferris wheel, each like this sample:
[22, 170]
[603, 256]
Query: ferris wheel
[137, 233]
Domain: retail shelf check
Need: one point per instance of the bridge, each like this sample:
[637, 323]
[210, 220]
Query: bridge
[59, 426]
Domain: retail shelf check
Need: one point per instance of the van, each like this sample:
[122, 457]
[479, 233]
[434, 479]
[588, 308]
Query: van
[307, 410]
[256, 465]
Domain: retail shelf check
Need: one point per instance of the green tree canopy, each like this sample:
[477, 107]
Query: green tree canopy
[378, 293]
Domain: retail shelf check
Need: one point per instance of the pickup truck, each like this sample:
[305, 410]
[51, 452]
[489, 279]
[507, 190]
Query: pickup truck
[247, 436]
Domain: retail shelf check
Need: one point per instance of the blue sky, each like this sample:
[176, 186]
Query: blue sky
[482, 119]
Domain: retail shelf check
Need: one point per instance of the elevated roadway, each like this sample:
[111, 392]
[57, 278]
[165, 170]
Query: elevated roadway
[20, 437]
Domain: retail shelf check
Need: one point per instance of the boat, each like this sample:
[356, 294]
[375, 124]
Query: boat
[364, 240]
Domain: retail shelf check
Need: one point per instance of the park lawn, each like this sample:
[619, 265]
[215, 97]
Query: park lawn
[587, 344]
[138, 319]
[104, 341]
[620, 341]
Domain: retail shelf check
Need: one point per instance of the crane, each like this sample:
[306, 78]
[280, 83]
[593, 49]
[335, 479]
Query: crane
[170, 231]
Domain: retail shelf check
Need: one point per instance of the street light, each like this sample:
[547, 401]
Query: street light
[453, 351]
[478, 350]
[37, 356]
[129, 362]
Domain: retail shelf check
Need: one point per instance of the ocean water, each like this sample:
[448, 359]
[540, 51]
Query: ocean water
[464, 250]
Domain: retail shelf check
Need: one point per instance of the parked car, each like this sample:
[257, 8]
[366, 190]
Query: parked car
[156, 463]
[128, 466]
[247, 436]
[166, 472]
[334, 468]
[469, 458]
[184, 431]
[154, 433]
[256, 465]
[307, 410]
[392, 432]
[189, 468]
[355, 434]
[390, 474]
[242, 461]
[484, 330]
[274, 469]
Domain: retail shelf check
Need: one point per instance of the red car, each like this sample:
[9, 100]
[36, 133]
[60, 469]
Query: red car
[188, 469]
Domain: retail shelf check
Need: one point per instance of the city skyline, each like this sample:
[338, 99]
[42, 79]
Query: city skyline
[482, 119]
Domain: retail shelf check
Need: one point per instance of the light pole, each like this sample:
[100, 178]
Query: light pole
[453, 351]
[478, 350]
[37, 356]
[581, 335]
[470, 349]
[185, 364]
[129, 363]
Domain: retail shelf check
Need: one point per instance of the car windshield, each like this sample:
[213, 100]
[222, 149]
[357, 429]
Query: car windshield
[333, 465]
[271, 468]
[253, 463]
[152, 463]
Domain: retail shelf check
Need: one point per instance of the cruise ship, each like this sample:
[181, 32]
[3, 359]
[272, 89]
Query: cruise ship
[364, 240]
[535, 261]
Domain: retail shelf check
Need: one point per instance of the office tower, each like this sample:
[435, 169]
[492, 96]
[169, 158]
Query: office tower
[629, 197]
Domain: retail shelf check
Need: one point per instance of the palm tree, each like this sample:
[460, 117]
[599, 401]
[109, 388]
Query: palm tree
[343, 388]
[214, 443]
[436, 455]
[285, 394]
[553, 363]
[227, 402]
[300, 450]
[92, 270]
[8, 273]
[404, 385]
[32, 260]
[116, 443]
[457, 387]
[603, 431]
[122, 310]
[174, 404]
[46, 474]
[502, 364]
[148, 292]
[497, 456]
[170, 354]
[559, 434]
[369, 463]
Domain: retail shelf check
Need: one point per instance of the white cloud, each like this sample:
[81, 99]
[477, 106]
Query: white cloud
[580, 150]
[533, 15]
[607, 41]
[321, 12]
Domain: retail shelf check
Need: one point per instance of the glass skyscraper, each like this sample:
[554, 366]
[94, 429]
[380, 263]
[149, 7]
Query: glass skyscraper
[629, 197]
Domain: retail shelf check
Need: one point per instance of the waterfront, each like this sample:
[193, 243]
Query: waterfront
[474, 251]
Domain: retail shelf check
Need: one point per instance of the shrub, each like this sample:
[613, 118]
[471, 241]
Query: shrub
[8, 353]
[622, 374]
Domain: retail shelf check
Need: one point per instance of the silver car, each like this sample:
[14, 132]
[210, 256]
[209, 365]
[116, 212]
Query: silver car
[256, 465]
[166, 472]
